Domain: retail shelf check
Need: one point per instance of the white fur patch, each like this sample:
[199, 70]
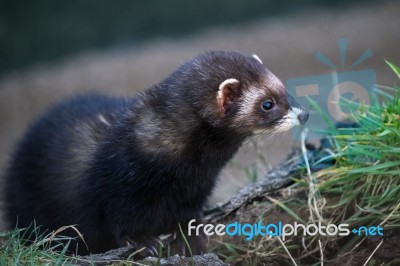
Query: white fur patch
[293, 114]
[257, 58]
[250, 98]
[289, 120]
[102, 119]
[220, 94]
[223, 84]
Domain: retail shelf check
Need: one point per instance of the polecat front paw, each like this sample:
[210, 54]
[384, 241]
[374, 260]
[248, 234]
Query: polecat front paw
[144, 246]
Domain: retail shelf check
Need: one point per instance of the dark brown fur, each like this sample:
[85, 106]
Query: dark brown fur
[127, 170]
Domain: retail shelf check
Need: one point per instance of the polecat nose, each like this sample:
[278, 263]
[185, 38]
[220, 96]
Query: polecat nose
[303, 117]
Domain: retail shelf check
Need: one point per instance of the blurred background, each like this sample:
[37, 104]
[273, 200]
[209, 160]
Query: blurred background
[50, 50]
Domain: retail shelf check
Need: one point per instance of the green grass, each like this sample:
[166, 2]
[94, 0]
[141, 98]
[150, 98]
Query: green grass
[362, 188]
[365, 181]
[16, 249]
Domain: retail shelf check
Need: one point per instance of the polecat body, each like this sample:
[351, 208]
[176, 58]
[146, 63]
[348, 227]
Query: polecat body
[127, 170]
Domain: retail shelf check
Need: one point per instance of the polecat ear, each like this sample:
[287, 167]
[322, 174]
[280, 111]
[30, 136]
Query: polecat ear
[257, 58]
[228, 91]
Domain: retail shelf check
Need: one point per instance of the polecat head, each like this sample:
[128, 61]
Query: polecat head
[244, 95]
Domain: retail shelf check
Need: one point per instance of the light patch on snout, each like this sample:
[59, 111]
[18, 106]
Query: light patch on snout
[289, 120]
[257, 58]
[294, 116]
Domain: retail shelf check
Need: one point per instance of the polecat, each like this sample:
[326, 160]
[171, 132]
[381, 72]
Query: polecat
[127, 170]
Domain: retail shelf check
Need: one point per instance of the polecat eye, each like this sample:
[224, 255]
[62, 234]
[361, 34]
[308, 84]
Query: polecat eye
[268, 105]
